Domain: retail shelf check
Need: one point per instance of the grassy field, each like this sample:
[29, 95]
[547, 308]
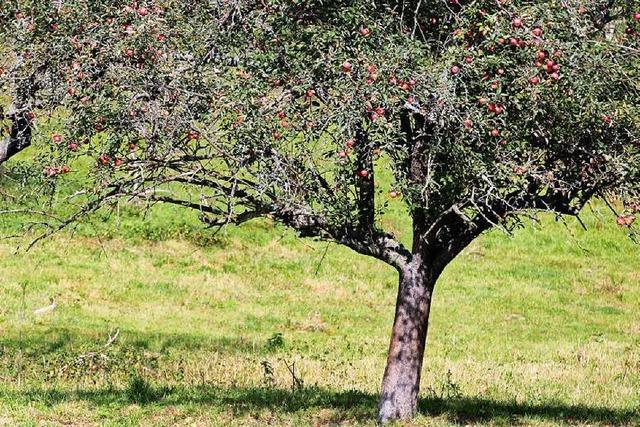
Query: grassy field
[539, 329]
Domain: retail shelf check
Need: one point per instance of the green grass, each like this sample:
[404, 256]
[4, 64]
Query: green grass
[539, 329]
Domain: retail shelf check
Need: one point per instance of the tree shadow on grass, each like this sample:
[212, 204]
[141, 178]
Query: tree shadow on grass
[469, 410]
[347, 405]
[70, 341]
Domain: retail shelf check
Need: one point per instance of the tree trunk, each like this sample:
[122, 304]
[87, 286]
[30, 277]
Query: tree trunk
[20, 137]
[401, 381]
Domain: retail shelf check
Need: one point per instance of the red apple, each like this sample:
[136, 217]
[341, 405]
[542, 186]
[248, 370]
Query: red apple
[534, 80]
[517, 22]
[347, 67]
[636, 16]
[455, 70]
[342, 154]
[363, 173]
[73, 146]
[495, 133]
[57, 138]
[104, 159]
[537, 32]
[365, 31]
[626, 220]
[549, 66]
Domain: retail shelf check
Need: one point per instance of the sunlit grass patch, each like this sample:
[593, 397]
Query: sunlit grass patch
[537, 329]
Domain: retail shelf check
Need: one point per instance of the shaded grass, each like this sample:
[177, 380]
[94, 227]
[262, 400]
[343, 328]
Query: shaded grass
[350, 405]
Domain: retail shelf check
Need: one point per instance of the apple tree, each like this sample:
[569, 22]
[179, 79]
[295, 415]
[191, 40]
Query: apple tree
[482, 112]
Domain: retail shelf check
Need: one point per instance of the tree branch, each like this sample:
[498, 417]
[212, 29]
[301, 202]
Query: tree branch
[19, 137]
[366, 190]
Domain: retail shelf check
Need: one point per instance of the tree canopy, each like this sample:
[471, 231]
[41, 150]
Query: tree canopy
[286, 108]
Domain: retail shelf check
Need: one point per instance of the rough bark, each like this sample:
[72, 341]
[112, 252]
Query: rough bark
[20, 136]
[401, 381]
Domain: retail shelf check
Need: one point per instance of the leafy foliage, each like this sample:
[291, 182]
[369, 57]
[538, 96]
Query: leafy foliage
[481, 109]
